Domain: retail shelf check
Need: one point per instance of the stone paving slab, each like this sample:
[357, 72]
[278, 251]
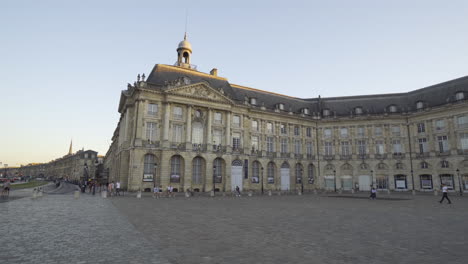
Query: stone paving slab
[60, 229]
[302, 229]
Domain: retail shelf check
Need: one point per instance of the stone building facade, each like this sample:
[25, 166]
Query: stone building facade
[194, 130]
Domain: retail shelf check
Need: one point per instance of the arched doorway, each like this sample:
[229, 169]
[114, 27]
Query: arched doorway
[236, 174]
[285, 179]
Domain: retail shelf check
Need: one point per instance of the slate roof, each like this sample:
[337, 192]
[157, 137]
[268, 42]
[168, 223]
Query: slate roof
[431, 96]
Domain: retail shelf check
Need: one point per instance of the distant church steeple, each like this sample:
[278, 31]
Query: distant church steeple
[70, 151]
[184, 51]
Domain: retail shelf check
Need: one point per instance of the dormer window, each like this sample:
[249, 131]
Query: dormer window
[280, 106]
[305, 111]
[419, 105]
[358, 110]
[253, 101]
[326, 112]
[459, 96]
[392, 109]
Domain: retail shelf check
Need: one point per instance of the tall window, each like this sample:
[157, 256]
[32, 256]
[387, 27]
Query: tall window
[361, 147]
[378, 131]
[462, 121]
[218, 170]
[177, 133]
[459, 96]
[464, 141]
[269, 127]
[379, 147]
[217, 136]
[283, 129]
[345, 148]
[176, 162]
[255, 142]
[255, 172]
[328, 149]
[271, 172]
[254, 125]
[148, 170]
[421, 127]
[327, 133]
[440, 125]
[177, 112]
[218, 118]
[397, 146]
[360, 132]
[151, 131]
[310, 173]
[152, 109]
[422, 145]
[396, 131]
[447, 179]
[296, 130]
[344, 132]
[299, 171]
[309, 132]
[197, 168]
[443, 143]
[297, 146]
[309, 149]
[270, 144]
[236, 140]
[284, 145]
[197, 133]
[236, 121]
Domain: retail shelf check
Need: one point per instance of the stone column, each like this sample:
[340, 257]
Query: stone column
[188, 134]
[167, 115]
[209, 142]
[228, 132]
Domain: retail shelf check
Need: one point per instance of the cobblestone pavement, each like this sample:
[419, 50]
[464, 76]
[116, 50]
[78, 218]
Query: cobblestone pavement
[302, 229]
[61, 229]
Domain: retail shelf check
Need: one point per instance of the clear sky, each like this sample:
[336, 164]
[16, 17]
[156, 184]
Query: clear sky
[63, 64]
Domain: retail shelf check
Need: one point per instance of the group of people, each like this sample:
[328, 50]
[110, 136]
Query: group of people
[158, 192]
[114, 189]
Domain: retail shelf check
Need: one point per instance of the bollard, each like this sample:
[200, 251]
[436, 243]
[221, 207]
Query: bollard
[40, 192]
[77, 194]
[388, 191]
[187, 194]
[212, 194]
[138, 195]
[104, 194]
[34, 196]
[352, 191]
[269, 192]
[250, 193]
[299, 193]
[436, 193]
[413, 192]
[315, 191]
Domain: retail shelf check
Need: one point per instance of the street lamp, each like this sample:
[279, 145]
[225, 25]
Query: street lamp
[262, 180]
[214, 181]
[459, 182]
[372, 175]
[155, 171]
[334, 178]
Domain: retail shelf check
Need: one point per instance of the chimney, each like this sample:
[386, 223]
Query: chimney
[214, 72]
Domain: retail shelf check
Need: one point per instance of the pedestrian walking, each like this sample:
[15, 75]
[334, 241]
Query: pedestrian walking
[445, 194]
[156, 192]
[238, 193]
[117, 188]
[373, 195]
[6, 189]
[111, 189]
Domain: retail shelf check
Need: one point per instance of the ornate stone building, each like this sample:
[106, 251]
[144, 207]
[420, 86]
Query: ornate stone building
[189, 129]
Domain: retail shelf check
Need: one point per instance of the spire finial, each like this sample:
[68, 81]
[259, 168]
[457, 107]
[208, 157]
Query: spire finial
[70, 151]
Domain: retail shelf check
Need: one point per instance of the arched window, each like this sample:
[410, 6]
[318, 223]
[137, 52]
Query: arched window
[197, 133]
[310, 174]
[392, 109]
[299, 171]
[149, 168]
[358, 110]
[253, 100]
[419, 105]
[305, 111]
[255, 172]
[218, 170]
[271, 172]
[176, 169]
[326, 112]
[197, 169]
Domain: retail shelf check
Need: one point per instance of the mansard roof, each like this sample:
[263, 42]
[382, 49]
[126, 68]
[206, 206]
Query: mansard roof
[431, 96]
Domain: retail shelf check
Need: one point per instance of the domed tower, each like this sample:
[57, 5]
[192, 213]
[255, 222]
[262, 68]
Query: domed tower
[184, 51]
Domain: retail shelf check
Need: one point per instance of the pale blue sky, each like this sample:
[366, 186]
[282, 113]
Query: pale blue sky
[64, 63]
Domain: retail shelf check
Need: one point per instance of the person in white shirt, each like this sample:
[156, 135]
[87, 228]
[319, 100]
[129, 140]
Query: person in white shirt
[155, 192]
[444, 194]
[117, 188]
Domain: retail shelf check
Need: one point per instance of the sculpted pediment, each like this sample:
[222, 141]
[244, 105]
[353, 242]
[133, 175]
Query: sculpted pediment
[200, 91]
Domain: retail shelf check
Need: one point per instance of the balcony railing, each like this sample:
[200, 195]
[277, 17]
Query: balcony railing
[298, 156]
[328, 157]
[271, 154]
[445, 153]
[310, 157]
[422, 155]
[199, 147]
[345, 157]
[398, 155]
[285, 155]
[380, 156]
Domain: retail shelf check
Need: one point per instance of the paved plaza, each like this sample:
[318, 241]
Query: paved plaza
[278, 229]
